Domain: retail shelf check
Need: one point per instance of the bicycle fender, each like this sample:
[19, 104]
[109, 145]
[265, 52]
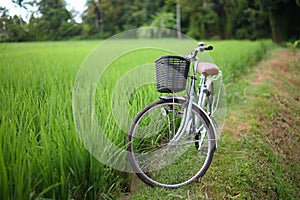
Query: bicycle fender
[172, 97]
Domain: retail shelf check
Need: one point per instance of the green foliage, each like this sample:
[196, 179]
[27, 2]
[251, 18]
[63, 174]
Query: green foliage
[206, 19]
[164, 20]
[283, 15]
[54, 16]
[203, 19]
[293, 46]
[253, 24]
[270, 5]
[92, 15]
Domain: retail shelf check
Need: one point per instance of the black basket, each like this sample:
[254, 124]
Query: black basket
[171, 73]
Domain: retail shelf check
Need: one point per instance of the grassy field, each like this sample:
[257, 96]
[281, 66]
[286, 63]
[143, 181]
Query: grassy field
[41, 155]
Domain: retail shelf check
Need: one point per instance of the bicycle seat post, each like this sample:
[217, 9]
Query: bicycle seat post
[205, 77]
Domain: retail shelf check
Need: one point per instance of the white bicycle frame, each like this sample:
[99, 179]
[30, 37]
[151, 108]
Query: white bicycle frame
[201, 95]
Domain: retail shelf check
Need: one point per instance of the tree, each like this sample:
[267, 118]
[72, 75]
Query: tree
[4, 22]
[252, 23]
[22, 5]
[201, 17]
[99, 12]
[10, 30]
[178, 19]
[93, 14]
[119, 15]
[226, 19]
[228, 11]
[134, 14]
[54, 15]
[33, 27]
[164, 20]
[284, 18]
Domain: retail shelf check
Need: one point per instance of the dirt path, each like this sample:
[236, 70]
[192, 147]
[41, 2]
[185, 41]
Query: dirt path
[281, 73]
[271, 116]
[284, 131]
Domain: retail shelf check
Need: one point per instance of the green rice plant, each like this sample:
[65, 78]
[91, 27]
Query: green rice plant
[236, 58]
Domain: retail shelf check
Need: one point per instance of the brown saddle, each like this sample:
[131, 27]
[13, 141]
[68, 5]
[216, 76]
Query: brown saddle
[207, 68]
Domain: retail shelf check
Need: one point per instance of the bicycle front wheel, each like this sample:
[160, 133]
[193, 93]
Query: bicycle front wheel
[164, 151]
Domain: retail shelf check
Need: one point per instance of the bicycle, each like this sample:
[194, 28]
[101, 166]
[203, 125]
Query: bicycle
[166, 135]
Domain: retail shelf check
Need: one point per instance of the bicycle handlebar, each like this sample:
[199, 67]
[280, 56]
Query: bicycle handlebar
[201, 47]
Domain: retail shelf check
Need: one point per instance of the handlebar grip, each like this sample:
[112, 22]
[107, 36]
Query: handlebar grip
[209, 48]
[206, 48]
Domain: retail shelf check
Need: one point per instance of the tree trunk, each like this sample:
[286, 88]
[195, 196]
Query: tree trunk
[278, 25]
[20, 18]
[178, 23]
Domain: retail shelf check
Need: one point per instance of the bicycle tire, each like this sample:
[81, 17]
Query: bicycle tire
[155, 168]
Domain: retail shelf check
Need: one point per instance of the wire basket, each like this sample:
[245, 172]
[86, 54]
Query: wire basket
[171, 73]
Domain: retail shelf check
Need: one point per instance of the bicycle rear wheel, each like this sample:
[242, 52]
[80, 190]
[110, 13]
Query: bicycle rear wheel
[158, 156]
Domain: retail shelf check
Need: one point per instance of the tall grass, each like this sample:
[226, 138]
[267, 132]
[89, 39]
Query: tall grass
[41, 155]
